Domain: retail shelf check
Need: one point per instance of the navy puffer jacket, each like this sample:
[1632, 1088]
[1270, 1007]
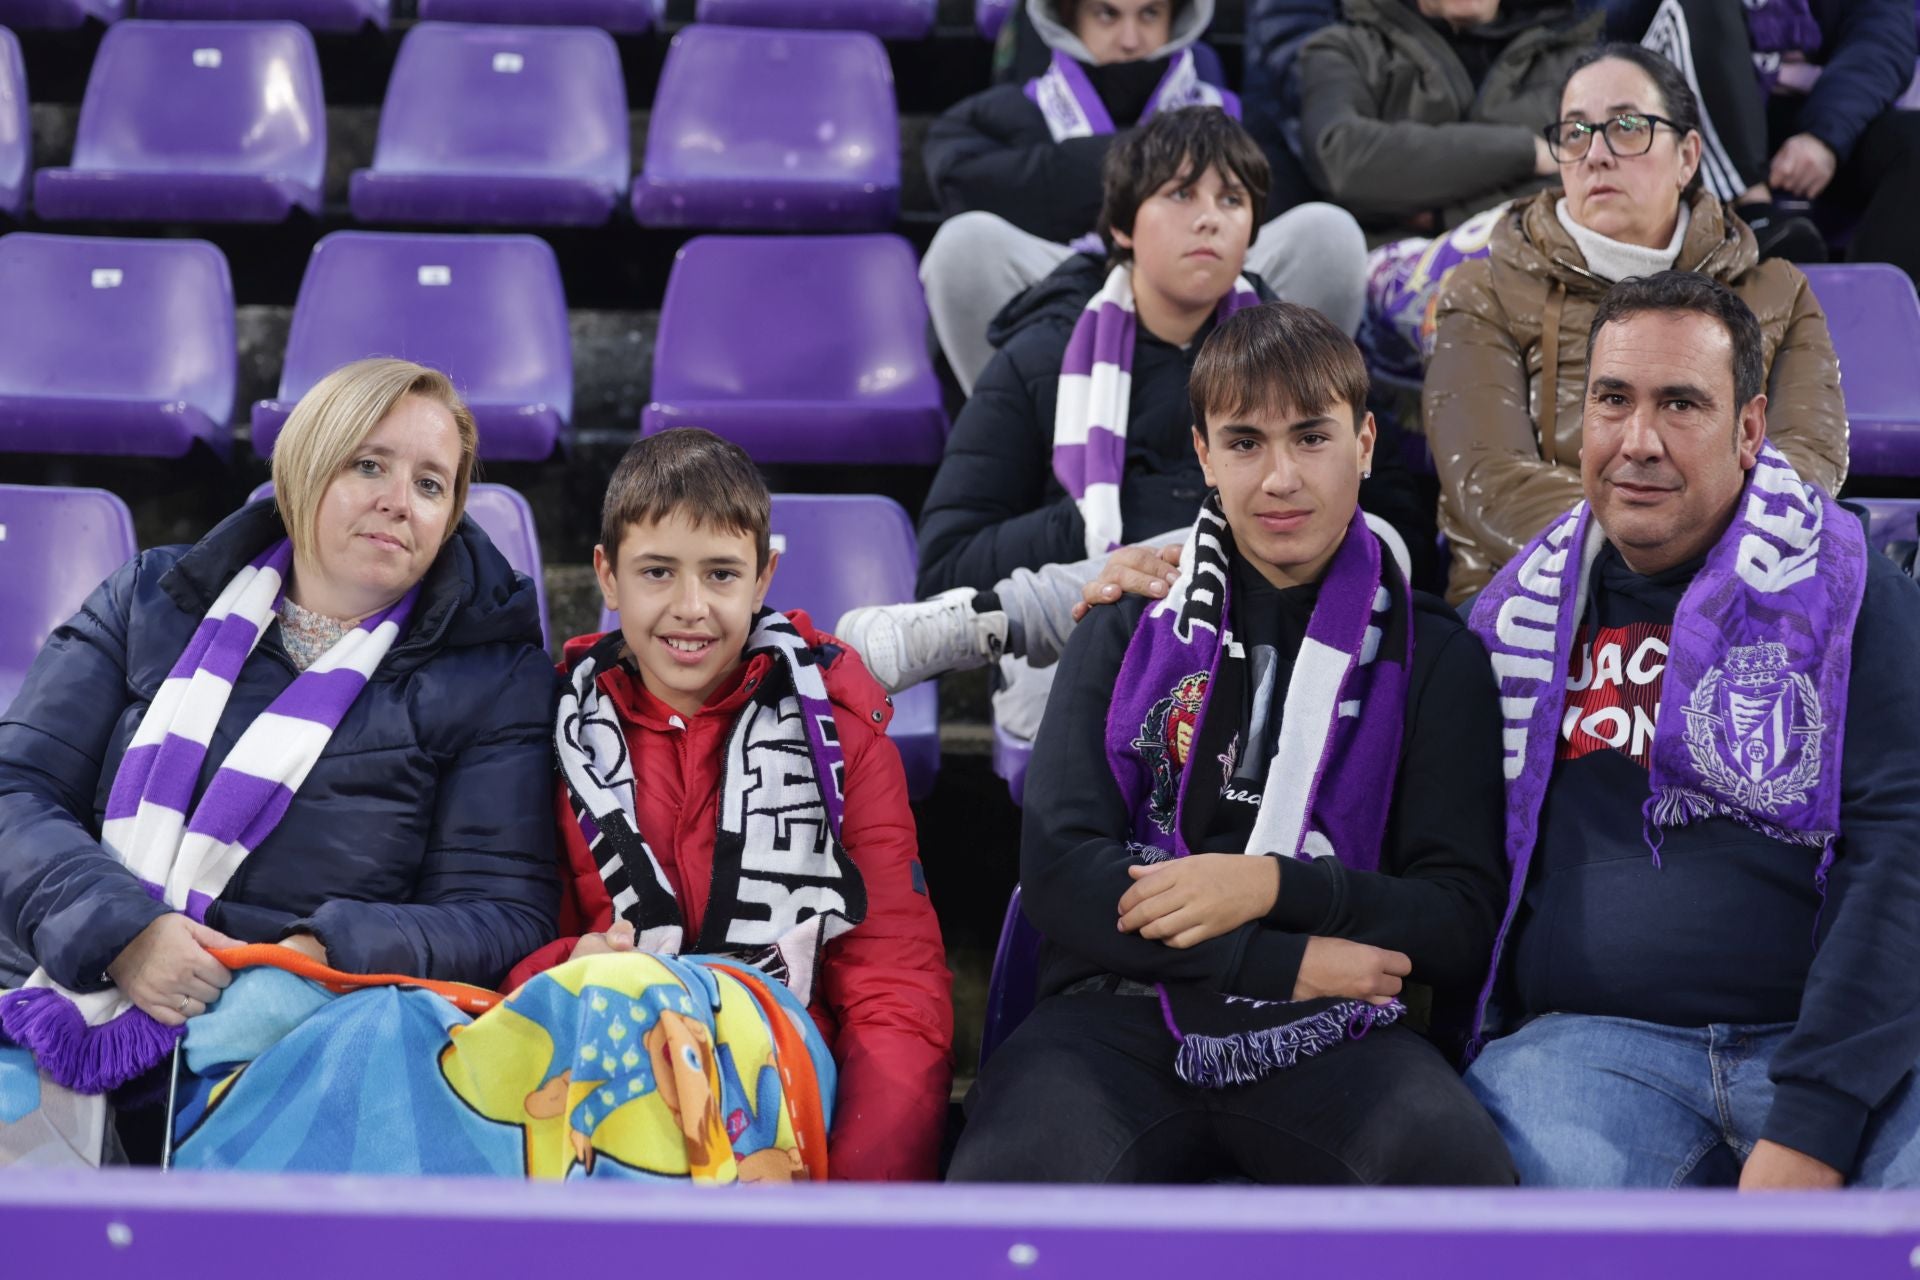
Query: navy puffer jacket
[420, 843]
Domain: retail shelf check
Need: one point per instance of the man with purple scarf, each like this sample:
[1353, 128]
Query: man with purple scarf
[1261, 832]
[1713, 809]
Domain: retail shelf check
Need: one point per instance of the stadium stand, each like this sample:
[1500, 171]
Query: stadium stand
[1015, 978]
[839, 551]
[1874, 316]
[114, 346]
[56, 546]
[888, 19]
[488, 310]
[59, 14]
[623, 17]
[316, 15]
[518, 126]
[16, 126]
[772, 130]
[195, 121]
[805, 351]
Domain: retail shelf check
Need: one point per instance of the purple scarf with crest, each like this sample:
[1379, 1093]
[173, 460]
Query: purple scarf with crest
[1753, 707]
[1338, 752]
[1073, 109]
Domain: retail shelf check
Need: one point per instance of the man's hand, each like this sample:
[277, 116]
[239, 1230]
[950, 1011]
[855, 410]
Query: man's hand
[1188, 900]
[1134, 571]
[1350, 970]
[1803, 165]
[307, 945]
[1773, 1167]
[618, 938]
[167, 972]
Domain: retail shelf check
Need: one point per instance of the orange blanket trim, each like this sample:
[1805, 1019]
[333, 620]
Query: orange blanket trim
[271, 955]
[797, 1076]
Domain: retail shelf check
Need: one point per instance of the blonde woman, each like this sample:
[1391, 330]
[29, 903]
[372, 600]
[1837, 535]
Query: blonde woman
[325, 725]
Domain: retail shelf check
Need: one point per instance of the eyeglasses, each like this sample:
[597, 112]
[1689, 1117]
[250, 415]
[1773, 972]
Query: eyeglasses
[1627, 135]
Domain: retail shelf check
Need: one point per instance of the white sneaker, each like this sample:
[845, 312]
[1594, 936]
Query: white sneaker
[904, 644]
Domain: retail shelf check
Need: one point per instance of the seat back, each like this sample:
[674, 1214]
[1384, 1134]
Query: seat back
[16, 127]
[1015, 980]
[624, 17]
[888, 19]
[98, 320]
[1874, 317]
[315, 15]
[488, 311]
[56, 546]
[58, 14]
[475, 100]
[772, 129]
[839, 318]
[1890, 520]
[205, 97]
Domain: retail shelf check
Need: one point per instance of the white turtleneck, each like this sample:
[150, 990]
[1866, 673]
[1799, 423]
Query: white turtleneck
[1616, 261]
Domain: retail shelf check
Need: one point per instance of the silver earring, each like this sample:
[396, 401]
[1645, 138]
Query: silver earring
[1367, 474]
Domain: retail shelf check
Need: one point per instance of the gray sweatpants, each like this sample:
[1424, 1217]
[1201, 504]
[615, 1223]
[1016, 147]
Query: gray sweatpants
[1313, 254]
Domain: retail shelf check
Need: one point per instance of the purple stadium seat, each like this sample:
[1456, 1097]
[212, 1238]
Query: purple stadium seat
[1015, 978]
[1890, 520]
[799, 350]
[989, 16]
[888, 19]
[1874, 317]
[56, 546]
[16, 126]
[58, 14]
[195, 121]
[773, 130]
[839, 551]
[114, 346]
[487, 310]
[507, 519]
[622, 17]
[517, 126]
[315, 15]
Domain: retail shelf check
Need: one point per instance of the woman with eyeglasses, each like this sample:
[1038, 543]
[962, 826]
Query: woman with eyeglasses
[1507, 378]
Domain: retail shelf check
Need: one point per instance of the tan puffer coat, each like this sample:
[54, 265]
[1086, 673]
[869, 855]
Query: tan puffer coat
[1507, 443]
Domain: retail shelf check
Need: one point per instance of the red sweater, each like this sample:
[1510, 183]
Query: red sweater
[883, 995]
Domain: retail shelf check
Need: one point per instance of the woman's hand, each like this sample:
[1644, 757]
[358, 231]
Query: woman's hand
[167, 972]
[618, 938]
[1350, 970]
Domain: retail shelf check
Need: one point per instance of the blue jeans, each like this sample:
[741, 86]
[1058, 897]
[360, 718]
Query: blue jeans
[1588, 1101]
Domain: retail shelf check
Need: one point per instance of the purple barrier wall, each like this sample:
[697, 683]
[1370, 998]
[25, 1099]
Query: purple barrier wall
[157, 1226]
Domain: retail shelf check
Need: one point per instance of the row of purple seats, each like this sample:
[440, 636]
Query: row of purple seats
[840, 551]
[494, 125]
[891, 19]
[16, 128]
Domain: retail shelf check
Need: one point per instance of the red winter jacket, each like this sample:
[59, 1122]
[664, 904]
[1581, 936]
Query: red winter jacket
[883, 995]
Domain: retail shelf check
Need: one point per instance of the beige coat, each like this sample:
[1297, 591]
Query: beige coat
[1507, 381]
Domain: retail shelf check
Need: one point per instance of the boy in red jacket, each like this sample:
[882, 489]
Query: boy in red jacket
[708, 803]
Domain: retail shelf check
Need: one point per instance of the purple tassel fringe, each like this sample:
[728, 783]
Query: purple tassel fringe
[78, 1057]
[1213, 1062]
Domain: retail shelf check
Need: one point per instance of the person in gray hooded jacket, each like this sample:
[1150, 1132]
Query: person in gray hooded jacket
[1016, 169]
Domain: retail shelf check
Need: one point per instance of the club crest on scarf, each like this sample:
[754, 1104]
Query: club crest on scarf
[1165, 742]
[1753, 729]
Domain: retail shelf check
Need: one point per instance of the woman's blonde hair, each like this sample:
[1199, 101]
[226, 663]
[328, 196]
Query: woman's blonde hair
[334, 419]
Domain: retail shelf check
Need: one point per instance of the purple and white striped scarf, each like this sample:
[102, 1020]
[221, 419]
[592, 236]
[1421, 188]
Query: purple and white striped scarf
[185, 853]
[1091, 403]
[1327, 786]
[783, 885]
[1754, 702]
[1072, 107]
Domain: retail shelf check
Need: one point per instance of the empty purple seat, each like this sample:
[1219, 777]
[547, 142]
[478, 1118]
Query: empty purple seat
[991, 15]
[888, 19]
[1874, 317]
[776, 130]
[1015, 980]
[315, 15]
[507, 519]
[58, 14]
[518, 126]
[810, 351]
[623, 17]
[114, 346]
[488, 311]
[16, 127]
[839, 551]
[1890, 520]
[56, 546]
[195, 121]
